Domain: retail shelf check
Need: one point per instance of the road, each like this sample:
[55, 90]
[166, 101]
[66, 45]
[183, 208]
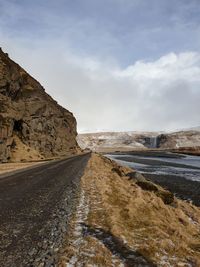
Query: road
[35, 205]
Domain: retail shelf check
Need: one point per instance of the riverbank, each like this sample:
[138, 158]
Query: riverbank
[172, 171]
[195, 151]
[181, 187]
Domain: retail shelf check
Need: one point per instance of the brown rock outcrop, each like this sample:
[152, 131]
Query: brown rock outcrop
[32, 124]
[180, 139]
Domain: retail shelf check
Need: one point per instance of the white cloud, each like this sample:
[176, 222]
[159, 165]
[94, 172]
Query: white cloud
[74, 50]
[148, 95]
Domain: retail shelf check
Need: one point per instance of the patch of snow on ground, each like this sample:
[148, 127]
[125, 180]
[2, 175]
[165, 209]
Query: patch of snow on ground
[81, 217]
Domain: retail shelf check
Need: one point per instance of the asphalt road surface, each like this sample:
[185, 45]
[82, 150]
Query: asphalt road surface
[34, 208]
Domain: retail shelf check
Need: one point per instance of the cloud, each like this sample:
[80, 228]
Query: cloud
[127, 30]
[117, 65]
[163, 94]
[149, 95]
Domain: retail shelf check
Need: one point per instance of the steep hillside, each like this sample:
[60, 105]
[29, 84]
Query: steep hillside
[187, 141]
[32, 124]
[125, 220]
[180, 139]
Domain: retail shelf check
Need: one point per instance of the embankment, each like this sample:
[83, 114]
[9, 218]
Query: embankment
[124, 220]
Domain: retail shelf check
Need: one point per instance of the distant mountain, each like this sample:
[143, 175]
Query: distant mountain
[197, 128]
[188, 138]
[126, 141]
[114, 141]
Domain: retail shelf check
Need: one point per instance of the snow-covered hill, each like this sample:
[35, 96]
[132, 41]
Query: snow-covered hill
[113, 141]
[126, 141]
[188, 138]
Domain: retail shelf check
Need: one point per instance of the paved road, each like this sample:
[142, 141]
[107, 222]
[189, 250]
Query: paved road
[32, 203]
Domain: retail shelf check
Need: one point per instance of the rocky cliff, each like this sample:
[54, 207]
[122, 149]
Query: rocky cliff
[180, 139]
[32, 124]
[187, 141]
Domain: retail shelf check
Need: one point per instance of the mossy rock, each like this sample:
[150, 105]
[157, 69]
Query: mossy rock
[118, 170]
[135, 176]
[146, 185]
[166, 196]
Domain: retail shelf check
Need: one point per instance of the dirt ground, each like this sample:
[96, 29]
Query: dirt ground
[9, 167]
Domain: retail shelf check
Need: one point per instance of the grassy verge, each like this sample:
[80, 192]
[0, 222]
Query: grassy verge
[127, 220]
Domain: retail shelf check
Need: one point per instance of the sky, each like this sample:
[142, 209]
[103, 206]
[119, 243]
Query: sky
[118, 65]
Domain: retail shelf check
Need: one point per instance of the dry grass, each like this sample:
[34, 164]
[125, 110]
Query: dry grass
[167, 235]
[22, 152]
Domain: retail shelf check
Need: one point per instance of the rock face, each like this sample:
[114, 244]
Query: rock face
[180, 139]
[32, 124]
[187, 142]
